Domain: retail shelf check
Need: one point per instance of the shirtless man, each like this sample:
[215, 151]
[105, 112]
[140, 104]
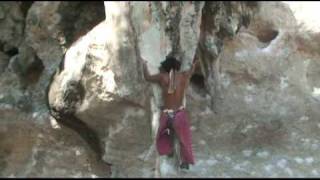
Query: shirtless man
[174, 118]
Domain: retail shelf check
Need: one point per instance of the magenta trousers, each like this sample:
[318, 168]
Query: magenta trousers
[182, 130]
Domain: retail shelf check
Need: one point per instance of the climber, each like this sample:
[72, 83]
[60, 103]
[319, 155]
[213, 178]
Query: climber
[174, 117]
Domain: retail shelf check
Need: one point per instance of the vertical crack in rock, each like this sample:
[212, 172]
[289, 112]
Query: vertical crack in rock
[138, 55]
[25, 6]
[172, 28]
[135, 43]
[220, 20]
[85, 22]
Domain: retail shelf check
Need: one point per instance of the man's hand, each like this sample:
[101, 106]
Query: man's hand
[144, 62]
[192, 68]
[195, 61]
[152, 78]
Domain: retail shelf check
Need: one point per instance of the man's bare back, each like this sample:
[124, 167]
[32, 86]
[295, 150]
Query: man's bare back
[175, 99]
[171, 100]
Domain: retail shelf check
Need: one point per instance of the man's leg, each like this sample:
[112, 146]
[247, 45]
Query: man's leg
[182, 129]
[163, 141]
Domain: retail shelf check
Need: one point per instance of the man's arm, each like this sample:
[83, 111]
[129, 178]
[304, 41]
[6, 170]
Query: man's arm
[147, 76]
[189, 72]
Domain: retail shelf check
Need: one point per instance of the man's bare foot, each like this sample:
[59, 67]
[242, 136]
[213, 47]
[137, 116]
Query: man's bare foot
[170, 155]
[184, 166]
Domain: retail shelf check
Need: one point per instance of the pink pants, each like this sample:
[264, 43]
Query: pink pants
[181, 128]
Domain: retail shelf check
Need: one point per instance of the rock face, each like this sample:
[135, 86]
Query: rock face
[29, 54]
[74, 97]
[100, 81]
[29, 149]
[266, 103]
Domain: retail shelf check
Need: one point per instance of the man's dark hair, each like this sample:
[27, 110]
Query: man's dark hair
[170, 63]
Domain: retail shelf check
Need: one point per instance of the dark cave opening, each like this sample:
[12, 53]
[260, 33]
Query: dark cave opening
[12, 51]
[34, 71]
[197, 80]
[267, 36]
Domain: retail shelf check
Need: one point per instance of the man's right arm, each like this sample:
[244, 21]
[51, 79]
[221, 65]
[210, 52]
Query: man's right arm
[152, 78]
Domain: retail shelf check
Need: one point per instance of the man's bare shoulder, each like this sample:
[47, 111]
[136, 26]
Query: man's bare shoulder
[165, 77]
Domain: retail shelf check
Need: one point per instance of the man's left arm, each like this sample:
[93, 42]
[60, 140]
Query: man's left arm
[189, 72]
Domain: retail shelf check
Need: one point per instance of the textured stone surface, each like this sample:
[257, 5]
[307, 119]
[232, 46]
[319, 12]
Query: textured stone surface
[32, 150]
[266, 123]
[11, 23]
[29, 55]
[112, 105]
[4, 61]
[49, 32]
